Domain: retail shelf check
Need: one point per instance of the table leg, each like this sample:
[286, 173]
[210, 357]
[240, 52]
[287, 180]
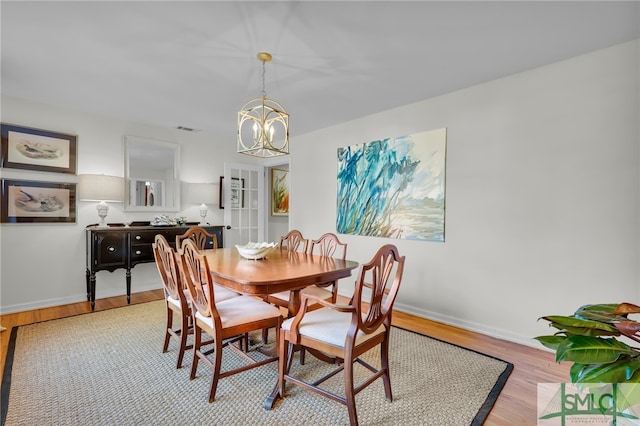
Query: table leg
[294, 307]
[294, 302]
[275, 393]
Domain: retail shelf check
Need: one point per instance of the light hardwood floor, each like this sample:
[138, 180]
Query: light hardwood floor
[515, 406]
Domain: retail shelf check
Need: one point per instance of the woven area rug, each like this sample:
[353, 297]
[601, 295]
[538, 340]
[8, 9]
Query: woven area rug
[107, 368]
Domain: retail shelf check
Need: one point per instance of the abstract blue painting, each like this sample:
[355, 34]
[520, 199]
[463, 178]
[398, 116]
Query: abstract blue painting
[393, 188]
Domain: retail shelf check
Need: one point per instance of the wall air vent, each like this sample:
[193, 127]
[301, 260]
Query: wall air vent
[187, 129]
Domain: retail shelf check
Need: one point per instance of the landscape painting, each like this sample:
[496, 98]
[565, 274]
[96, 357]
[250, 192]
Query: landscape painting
[393, 188]
[279, 192]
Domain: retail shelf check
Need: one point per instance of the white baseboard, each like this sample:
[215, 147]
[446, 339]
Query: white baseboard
[471, 326]
[39, 304]
[434, 316]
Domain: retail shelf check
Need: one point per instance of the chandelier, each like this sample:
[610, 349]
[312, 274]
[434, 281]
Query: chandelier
[263, 124]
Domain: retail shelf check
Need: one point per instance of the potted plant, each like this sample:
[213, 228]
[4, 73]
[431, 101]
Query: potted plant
[590, 338]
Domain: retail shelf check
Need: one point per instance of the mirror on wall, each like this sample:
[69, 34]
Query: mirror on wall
[152, 175]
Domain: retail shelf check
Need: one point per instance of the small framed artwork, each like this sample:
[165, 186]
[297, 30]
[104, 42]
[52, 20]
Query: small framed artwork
[30, 201]
[36, 149]
[237, 193]
[279, 192]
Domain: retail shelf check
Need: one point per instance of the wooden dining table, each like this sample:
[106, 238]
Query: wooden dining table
[281, 270]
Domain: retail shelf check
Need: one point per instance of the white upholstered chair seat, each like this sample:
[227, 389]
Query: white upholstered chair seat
[222, 293]
[313, 290]
[174, 302]
[328, 326]
[241, 310]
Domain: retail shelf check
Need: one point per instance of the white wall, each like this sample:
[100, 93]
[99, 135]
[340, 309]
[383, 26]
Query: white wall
[44, 264]
[543, 192]
[542, 195]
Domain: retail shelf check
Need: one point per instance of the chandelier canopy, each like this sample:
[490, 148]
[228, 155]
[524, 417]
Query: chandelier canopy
[263, 124]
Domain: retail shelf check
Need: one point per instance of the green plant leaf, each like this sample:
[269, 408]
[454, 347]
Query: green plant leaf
[624, 370]
[608, 308]
[592, 350]
[551, 342]
[603, 312]
[600, 316]
[581, 327]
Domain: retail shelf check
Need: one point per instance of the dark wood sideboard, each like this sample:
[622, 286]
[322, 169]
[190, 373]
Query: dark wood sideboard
[121, 247]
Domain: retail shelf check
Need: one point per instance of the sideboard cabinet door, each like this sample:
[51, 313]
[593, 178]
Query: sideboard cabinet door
[111, 251]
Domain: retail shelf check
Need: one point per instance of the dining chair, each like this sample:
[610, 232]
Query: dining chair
[176, 298]
[347, 331]
[174, 295]
[225, 321]
[329, 246]
[293, 241]
[202, 238]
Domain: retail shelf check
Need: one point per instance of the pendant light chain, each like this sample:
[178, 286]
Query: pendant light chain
[264, 92]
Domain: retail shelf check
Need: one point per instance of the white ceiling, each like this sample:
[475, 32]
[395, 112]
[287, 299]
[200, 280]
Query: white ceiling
[194, 64]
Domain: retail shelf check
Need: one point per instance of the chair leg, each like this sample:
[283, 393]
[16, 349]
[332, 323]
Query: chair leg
[349, 392]
[167, 336]
[384, 363]
[265, 335]
[217, 363]
[283, 369]
[197, 342]
[184, 333]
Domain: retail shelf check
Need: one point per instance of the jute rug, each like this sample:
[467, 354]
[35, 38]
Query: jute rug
[107, 368]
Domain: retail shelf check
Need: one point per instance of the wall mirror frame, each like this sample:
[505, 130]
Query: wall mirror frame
[152, 173]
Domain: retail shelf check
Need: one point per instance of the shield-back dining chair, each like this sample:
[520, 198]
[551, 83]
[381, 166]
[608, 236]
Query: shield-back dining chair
[347, 331]
[175, 298]
[203, 239]
[225, 321]
[327, 246]
[293, 241]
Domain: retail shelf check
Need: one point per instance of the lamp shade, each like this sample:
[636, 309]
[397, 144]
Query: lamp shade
[100, 188]
[202, 193]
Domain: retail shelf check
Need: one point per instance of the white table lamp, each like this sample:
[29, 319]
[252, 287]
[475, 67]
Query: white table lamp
[101, 188]
[203, 194]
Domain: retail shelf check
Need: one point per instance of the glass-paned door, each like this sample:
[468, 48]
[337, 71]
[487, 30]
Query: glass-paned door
[244, 210]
